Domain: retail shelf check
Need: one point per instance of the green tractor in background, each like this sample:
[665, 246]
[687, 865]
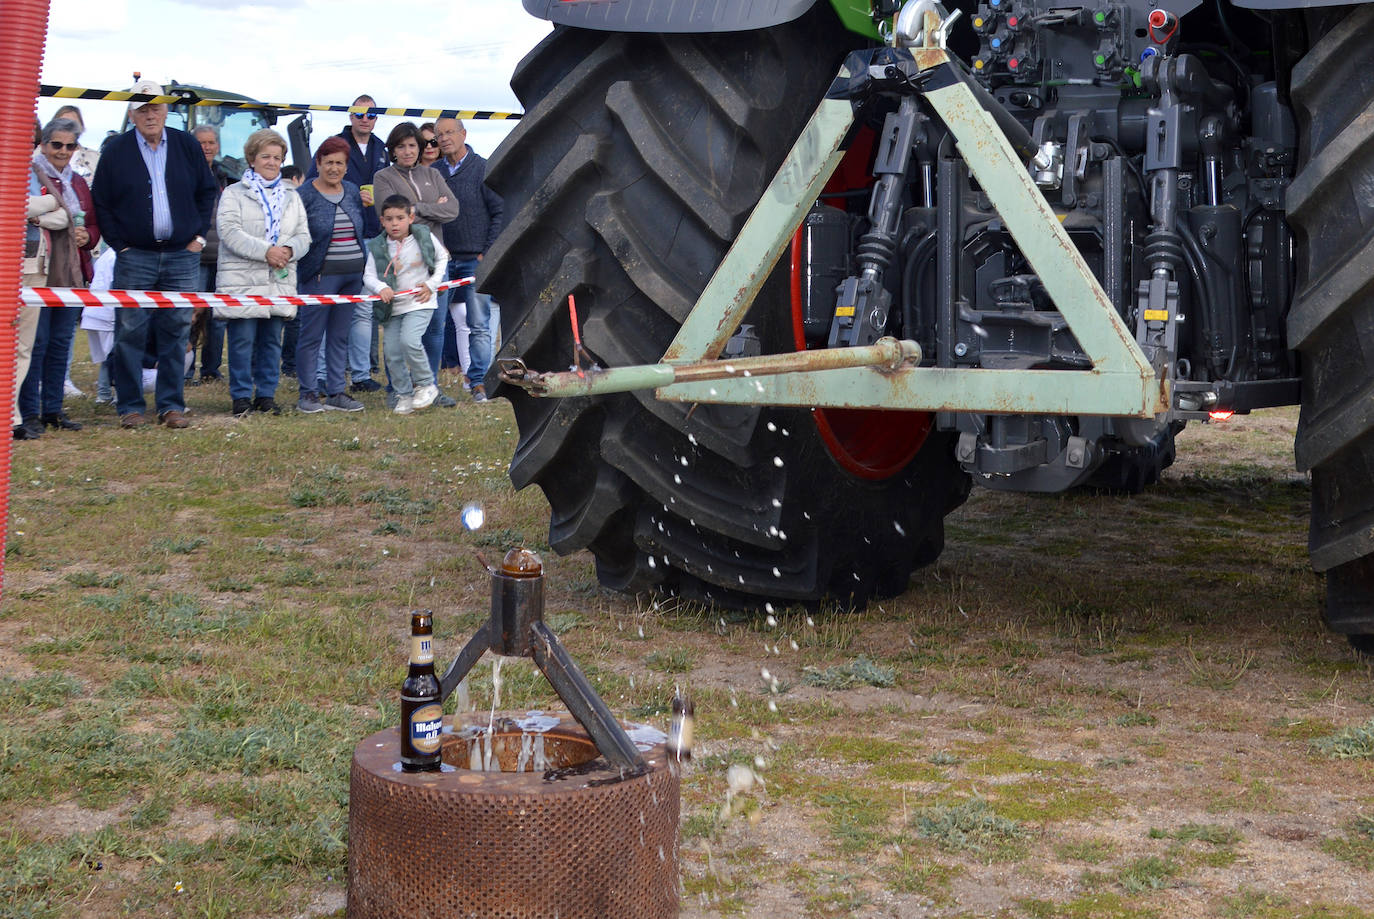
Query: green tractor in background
[833, 262]
[233, 122]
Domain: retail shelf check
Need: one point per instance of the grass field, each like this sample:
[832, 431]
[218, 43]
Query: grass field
[1090, 707]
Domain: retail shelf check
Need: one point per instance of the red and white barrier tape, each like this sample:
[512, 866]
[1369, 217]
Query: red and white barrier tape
[160, 299]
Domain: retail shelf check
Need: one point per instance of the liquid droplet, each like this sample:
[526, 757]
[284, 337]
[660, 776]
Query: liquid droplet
[474, 516]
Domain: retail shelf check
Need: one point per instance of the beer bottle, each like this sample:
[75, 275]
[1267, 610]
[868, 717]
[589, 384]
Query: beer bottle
[421, 712]
[679, 743]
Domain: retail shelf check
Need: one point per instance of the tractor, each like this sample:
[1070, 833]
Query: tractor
[235, 120]
[783, 279]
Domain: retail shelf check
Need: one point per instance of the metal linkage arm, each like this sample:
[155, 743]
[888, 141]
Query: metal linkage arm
[462, 665]
[582, 701]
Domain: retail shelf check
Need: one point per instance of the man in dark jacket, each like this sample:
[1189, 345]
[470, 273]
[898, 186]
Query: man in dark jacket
[366, 156]
[154, 196]
[468, 236]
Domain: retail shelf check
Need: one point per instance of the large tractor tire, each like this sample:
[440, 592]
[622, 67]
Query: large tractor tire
[1332, 322]
[637, 162]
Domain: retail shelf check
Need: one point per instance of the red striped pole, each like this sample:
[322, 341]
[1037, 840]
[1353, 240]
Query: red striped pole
[21, 61]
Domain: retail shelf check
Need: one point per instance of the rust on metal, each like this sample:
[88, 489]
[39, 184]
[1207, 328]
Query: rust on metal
[572, 839]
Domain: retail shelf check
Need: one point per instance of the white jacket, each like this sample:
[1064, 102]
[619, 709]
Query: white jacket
[49, 211]
[243, 245]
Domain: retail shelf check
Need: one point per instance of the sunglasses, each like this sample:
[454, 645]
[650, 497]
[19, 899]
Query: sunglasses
[58, 145]
[368, 117]
[431, 142]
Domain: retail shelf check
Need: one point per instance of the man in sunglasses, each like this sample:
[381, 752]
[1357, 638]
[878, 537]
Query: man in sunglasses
[366, 157]
[154, 196]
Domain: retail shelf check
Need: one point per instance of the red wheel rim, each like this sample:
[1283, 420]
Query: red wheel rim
[869, 443]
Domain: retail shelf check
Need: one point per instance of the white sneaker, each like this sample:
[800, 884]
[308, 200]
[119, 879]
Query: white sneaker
[70, 390]
[404, 405]
[424, 396]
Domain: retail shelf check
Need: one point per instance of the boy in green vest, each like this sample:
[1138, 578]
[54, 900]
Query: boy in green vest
[410, 258]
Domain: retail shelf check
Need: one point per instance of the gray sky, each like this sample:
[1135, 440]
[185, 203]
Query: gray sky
[449, 54]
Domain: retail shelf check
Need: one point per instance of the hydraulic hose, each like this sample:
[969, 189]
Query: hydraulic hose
[21, 62]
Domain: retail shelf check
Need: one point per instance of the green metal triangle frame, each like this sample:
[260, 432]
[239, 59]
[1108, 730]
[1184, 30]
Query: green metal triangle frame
[1121, 381]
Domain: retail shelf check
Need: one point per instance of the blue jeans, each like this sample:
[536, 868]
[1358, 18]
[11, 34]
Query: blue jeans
[290, 335]
[479, 320]
[360, 343]
[451, 357]
[434, 335]
[40, 392]
[145, 269]
[406, 362]
[330, 324]
[212, 348]
[254, 357]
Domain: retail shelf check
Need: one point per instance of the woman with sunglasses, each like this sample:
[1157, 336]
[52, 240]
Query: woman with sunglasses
[429, 144]
[62, 232]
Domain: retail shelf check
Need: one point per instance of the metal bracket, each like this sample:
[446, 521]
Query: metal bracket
[1121, 381]
[517, 628]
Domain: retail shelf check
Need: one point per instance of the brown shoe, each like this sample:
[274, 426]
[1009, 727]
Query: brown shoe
[173, 419]
[132, 420]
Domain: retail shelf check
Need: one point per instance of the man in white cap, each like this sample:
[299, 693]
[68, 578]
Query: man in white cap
[155, 193]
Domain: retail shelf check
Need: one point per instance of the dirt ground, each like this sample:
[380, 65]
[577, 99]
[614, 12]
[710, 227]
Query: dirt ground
[1149, 672]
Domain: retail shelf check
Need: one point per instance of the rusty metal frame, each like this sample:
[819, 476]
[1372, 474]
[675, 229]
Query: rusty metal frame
[1120, 382]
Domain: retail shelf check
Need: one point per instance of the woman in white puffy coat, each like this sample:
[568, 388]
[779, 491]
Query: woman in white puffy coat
[262, 234]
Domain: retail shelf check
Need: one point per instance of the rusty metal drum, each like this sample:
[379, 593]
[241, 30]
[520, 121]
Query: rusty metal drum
[566, 837]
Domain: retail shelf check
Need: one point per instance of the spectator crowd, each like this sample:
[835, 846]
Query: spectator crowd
[162, 211]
